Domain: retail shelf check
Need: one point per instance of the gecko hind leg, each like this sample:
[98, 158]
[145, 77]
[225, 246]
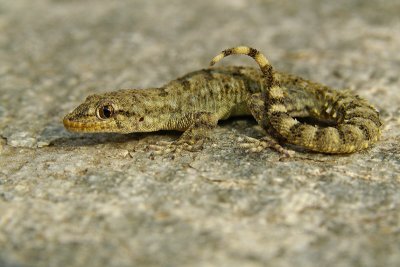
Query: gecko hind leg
[256, 102]
[192, 139]
[258, 145]
[256, 105]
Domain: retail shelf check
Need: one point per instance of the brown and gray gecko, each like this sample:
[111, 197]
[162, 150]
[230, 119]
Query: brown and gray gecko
[196, 102]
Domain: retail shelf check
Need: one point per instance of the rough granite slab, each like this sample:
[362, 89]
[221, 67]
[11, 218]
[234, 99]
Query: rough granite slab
[102, 200]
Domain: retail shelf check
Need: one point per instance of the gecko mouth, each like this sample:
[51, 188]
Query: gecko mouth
[76, 126]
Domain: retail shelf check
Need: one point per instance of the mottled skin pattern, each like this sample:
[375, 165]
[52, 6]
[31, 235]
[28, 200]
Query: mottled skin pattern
[196, 102]
[198, 99]
[355, 123]
[193, 103]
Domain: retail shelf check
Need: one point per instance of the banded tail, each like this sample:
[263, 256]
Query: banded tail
[357, 122]
[261, 60]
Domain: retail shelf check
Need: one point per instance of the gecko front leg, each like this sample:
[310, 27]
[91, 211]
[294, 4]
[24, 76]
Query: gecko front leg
[192, 138]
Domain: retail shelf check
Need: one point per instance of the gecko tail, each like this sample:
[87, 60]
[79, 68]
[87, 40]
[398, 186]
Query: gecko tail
[242, 50]
[260, 59]
[357, 123]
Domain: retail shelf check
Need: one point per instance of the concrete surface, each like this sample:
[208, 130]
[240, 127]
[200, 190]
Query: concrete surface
[102, 200]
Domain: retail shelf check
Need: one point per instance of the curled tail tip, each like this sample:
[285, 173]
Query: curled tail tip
[239, 50]
[217, 58]
[242, 50]
[245, 50]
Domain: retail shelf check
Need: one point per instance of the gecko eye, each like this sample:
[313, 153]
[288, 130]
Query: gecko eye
[105, 112]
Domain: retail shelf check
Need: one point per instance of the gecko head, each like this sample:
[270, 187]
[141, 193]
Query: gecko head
[110, 112]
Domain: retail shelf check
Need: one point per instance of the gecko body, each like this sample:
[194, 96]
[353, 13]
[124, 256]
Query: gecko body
[196, 102]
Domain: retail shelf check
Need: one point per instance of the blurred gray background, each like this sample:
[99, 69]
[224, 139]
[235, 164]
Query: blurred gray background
[102, 200]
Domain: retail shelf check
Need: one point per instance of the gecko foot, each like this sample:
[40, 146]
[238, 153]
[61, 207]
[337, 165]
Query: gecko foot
[257, 145]
[175, 147]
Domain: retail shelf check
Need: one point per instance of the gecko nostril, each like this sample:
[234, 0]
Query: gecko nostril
[141, 119]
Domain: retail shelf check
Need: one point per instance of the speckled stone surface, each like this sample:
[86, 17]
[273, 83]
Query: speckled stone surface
[103, 200]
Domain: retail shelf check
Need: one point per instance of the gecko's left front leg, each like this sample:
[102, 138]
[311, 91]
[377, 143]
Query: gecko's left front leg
[192, 139]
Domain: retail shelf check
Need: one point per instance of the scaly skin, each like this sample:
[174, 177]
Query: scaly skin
[193, 104]
[196, 102]
[356, 123]
[212, 93]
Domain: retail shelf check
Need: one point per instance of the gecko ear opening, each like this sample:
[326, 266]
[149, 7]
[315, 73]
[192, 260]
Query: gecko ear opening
[105, 111]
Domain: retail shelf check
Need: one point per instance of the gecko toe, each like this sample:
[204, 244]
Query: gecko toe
[254, 145]
[175, 148]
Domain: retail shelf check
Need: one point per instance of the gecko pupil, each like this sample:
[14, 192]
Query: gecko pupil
[105, 112]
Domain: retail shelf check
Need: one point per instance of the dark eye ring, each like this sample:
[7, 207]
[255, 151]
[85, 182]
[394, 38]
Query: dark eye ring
[105, 112]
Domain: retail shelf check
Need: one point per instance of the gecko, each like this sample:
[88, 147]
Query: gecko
[196, 102]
